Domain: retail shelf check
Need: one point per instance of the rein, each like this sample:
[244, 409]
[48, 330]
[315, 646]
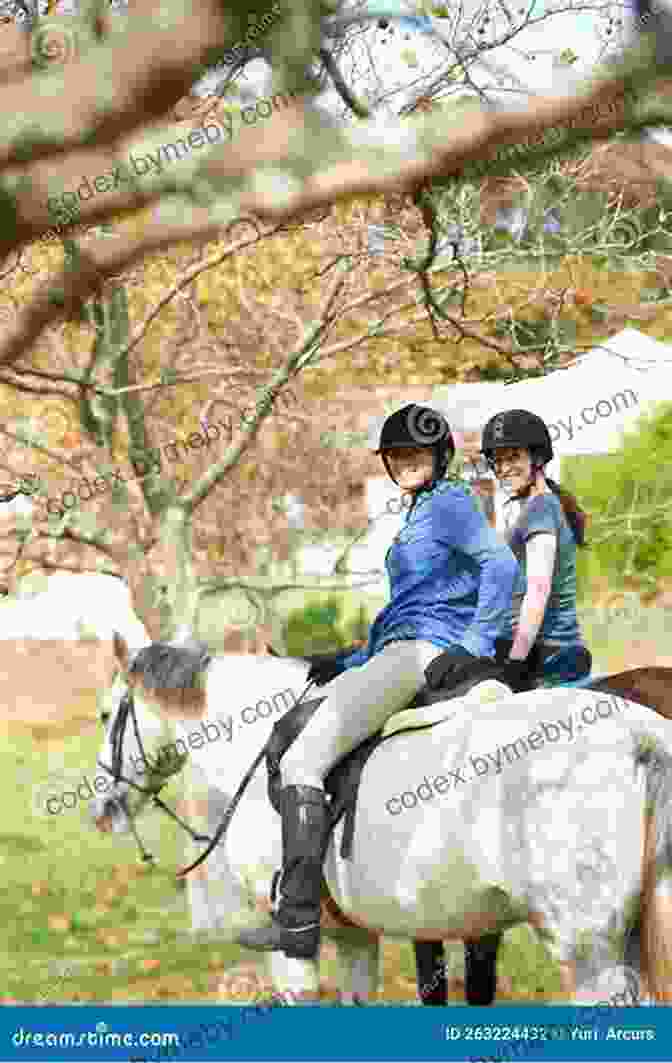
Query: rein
[228, 815]
[127, 709]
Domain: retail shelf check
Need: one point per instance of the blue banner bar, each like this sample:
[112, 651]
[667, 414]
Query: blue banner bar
[502, 1034]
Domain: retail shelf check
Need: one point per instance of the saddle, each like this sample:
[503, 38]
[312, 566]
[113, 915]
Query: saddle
[342, 782]
[551, 666]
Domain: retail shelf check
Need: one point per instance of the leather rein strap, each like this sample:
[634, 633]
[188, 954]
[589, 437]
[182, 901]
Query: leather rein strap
[125, 711]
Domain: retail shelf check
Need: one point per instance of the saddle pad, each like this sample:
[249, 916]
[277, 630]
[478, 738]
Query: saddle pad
[485, 693]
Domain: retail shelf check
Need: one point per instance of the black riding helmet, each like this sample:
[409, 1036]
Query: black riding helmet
[418, 426]
[517, 428]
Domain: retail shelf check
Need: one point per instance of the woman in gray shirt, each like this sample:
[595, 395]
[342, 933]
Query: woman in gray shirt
[545, 645]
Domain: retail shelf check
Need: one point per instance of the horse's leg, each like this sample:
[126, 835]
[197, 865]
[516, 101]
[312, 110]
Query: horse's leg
[198, 899]
[214, 895]
[359, 967]
[656, 918]
[194, 810]
[568, 980]
[567, 967]
[298, 981]
[430, 972]
[480, 969]
[294, 981]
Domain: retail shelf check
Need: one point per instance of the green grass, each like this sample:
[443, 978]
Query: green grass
[80, 902]
[74, 897]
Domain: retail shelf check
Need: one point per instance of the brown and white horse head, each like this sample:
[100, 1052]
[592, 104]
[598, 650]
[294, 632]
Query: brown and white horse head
[170, 676]
[135, 728]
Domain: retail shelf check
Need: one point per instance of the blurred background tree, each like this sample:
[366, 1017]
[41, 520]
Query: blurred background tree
[628, 495]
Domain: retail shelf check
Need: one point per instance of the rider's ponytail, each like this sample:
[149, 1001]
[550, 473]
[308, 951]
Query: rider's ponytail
[575, 516]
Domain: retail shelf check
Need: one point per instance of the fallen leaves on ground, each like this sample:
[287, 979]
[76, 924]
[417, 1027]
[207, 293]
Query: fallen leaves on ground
[59, 923]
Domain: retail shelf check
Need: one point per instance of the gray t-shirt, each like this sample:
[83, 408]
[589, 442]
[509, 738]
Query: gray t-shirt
[544, 514]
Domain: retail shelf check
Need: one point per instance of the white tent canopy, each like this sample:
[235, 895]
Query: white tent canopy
[586, 406]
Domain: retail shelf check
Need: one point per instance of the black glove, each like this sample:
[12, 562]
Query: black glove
[516, 674]
[452, 666]
[322, 672]
[327, 666]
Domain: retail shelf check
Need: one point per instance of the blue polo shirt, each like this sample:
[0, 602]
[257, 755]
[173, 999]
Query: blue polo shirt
[451, 577]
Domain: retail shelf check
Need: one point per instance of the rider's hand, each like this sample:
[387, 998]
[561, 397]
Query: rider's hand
[448, 666]
[516, 675]
[326, 666]
[324, 671]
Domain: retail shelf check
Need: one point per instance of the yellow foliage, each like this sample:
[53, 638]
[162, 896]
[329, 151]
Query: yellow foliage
[342, 212]
[270, 273]
[378, 280]
[203, 288]
[248, 470]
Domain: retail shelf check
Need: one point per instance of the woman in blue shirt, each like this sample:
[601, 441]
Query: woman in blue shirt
[451, 580]
[544, 646]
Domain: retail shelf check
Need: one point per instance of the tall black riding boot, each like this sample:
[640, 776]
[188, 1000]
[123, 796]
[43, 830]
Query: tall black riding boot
[295, 927]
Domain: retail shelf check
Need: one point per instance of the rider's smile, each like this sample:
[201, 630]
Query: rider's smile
[513, 468]
[411, 466]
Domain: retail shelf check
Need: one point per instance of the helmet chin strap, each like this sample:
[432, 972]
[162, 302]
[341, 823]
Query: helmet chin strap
[524, 491]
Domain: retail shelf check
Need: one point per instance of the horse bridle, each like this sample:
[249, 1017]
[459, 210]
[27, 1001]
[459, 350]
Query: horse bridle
[125, 711]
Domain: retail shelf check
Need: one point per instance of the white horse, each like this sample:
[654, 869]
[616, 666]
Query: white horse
[511, 809]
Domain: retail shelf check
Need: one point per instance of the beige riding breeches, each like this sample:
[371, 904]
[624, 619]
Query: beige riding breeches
[359, 701]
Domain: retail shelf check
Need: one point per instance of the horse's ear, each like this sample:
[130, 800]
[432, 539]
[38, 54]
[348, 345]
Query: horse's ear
[120, 647]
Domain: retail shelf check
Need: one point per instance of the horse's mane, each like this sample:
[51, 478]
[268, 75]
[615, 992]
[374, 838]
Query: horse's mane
[166, 667]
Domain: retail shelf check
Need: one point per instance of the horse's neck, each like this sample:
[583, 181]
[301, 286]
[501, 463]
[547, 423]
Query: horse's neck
[245, 695]
[234, 680]
[151, 720]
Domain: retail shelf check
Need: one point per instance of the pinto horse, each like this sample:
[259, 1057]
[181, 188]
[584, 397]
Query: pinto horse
[575, 840]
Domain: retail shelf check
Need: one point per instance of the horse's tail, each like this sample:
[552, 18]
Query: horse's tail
[656, 896]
